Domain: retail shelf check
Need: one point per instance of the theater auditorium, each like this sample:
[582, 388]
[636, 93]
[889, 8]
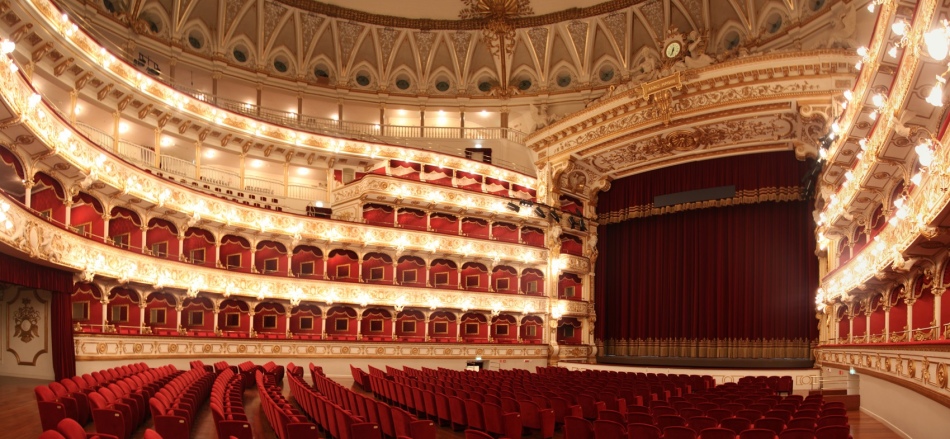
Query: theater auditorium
[588, 219]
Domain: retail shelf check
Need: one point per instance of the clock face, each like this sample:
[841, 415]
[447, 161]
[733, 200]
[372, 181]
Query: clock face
[672, 49]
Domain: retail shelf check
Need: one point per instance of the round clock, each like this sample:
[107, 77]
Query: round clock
[672, 49]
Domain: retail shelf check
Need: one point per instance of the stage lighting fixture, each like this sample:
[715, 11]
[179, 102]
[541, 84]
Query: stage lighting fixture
[554, 216]
[513, 207]
[572, 221]
[583, 227]
[539, 212]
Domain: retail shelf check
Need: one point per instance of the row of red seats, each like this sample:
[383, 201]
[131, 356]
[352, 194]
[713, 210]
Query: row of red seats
[468, 413]
[580, 428]
[245, 369]
[68, 398]
[120, 407]
[175, 405]
[779, 384]
[283, 417]
[70, 429]
[227, 406]
[332, 418]
[394, 421]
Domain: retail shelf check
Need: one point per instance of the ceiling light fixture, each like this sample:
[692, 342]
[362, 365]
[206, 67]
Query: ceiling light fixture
[497, 19]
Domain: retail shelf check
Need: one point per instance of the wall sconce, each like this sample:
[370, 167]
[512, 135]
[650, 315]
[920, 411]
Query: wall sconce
[528, 309]
[295, 295]
[466, 305]
[495, 309]
[434, 303]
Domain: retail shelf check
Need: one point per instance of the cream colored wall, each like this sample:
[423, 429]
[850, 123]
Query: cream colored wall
[28, 357]
[904, 411]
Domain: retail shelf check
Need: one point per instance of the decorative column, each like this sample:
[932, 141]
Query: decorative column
[909, 333]
[253, 268]
[142, 322]
[287, 332]
[251, 332]
[144, 229]
[325, 276]
[116, 121]
[198, 160]
[69, 211]
[395, 320]
[179, 307]
[105, 226]
[396, 270]
[422, 122]
[217, 253]
[323, 322]
[425, 331]
[458, 329]
[105, 311]
[157, 148]
[73, 100]
[359, 324]
[28, 193]
[181, 245]
[359, 267]
[518, 328]
[887, 322]
[938, 316]
[429, 221]
[215, 310]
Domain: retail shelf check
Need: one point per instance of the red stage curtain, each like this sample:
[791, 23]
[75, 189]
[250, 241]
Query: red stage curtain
[735, 281]
[60, 283]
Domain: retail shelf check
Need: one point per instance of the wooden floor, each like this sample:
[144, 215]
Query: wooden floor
[20, 418]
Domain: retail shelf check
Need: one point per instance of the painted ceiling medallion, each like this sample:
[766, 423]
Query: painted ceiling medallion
[498, 30]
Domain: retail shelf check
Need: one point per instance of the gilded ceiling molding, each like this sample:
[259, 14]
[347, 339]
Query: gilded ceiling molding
[340, 12]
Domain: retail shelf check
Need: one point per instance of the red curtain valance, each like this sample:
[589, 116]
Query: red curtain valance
[774, 176]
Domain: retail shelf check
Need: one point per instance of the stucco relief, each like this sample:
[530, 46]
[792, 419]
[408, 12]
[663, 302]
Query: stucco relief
[722, 134]
[27, 326]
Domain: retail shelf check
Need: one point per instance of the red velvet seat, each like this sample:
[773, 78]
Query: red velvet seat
[751, 415]
[612, 415]
[784, 415]
[807, 423]
[152, 434]
[51, 434]
[70, 429]
[717, 433]
[457, 412]
[643, 431]
[719, 414]
[805, 414]
[578, 428]
[774, 424]
[499, 423]
[797, 433]
[678, 432]
[540, 419]
[825, 421]
[664, 421]
[757, 433]
[604, 429]
[51, 409]
[474, 415]
[690, 412]
[700, 423]
[737, 425]
[833, 432]
[832, 411]
[664, 410]
[475, 434]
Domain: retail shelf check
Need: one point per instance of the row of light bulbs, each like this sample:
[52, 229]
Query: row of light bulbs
[936, 43]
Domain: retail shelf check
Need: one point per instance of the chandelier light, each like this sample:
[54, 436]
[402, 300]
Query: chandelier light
[496, 17]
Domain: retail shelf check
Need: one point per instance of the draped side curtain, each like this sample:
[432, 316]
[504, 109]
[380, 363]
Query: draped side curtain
[738, 280]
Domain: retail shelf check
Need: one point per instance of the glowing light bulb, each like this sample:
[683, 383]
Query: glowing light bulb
[7, 47]
[899, 28]
[936, 43]
[935, 97]
[862, 51]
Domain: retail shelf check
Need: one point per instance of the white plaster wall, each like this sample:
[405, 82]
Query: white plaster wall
[12, 299]
[904, 411]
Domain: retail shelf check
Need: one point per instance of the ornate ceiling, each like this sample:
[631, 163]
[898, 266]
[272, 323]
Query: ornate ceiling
[556, 52]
